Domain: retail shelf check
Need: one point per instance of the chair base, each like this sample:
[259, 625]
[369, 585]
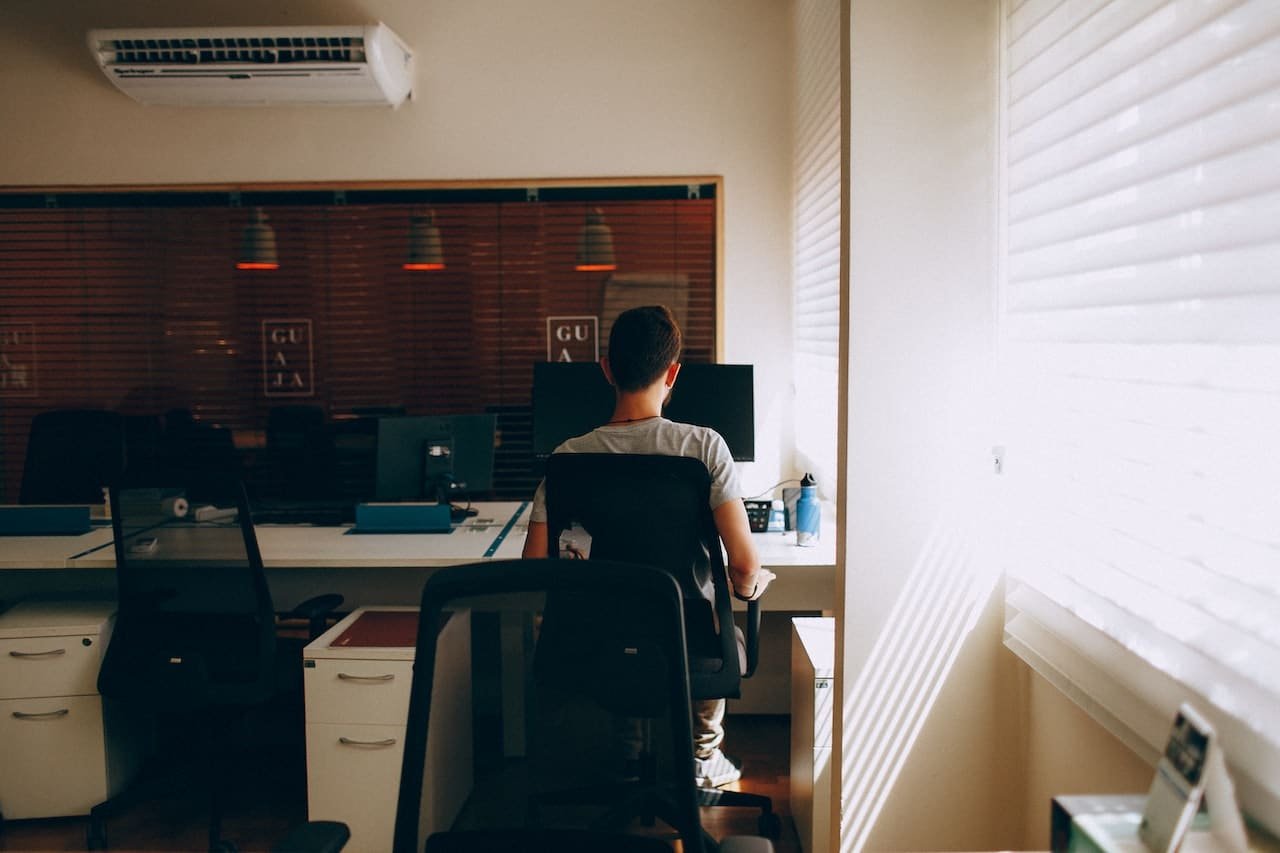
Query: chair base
[769, 824]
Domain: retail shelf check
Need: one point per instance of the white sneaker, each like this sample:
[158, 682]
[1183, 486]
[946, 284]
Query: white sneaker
[715, 770]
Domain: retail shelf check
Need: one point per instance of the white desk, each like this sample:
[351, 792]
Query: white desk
[51, 552]
[300, 560]
[382, 568]
[806, 576]
[300, 546]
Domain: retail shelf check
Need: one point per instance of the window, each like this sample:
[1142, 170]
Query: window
[816, 171]
[1140, 351]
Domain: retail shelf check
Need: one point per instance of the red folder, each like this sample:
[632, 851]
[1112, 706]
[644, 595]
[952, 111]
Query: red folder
[381, 629]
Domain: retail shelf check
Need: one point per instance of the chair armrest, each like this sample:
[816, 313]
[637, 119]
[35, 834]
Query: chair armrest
[746, 844]
[318, 836]
[753, 637]
[315, 610]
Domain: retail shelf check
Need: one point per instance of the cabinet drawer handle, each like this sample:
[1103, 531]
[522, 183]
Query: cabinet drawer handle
[23, 715]
[346, 741]
[346, 676]
[48, 654]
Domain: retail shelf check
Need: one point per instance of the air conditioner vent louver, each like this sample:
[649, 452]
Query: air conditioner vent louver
[259, 51]
[242, 66]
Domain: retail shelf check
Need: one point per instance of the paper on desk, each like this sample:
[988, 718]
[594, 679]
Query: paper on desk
[575, 543]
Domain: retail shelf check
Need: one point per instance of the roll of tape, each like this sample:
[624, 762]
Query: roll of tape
[176, 507]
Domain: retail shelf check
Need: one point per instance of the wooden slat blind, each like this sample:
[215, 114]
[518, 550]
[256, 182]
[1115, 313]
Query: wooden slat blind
[138, 308]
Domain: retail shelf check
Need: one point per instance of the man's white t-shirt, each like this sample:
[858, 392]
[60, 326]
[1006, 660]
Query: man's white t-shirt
[656, 436]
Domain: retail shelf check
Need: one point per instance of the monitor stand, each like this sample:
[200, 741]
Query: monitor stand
[438, 487]
[462, 513]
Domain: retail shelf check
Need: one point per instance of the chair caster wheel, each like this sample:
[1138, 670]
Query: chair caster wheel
[770, 825]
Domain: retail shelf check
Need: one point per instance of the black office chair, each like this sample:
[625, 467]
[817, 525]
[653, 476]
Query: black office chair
[72, 455]
[655, 510]
[195, 631]
[638, 662]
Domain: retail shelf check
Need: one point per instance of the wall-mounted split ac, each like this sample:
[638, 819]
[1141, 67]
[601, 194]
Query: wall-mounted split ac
[241, 66]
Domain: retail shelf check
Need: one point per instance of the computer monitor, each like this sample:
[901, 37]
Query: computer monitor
[720, 396]
[573, 398]
[569, 398]
[434, 457]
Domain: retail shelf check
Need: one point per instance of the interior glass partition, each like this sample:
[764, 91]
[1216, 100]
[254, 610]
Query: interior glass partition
[132, 301]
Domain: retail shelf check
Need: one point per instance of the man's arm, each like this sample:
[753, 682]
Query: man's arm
[748, 578]
[535, 541]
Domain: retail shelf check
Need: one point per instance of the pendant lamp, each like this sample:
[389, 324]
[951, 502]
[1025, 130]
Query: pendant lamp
[595, 245]
[425, 249]
[258, 244]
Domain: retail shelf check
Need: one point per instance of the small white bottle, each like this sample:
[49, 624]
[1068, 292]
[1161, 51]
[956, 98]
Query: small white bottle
[777, 517]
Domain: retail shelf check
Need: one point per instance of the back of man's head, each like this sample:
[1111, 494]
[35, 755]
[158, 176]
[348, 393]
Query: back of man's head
[643, 343]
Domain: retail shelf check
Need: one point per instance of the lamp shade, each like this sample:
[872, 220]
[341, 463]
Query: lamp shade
[425, 249]
[258, 244]
[595, 244]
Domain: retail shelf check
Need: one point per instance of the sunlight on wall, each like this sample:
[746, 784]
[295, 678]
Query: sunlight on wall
[939, 605]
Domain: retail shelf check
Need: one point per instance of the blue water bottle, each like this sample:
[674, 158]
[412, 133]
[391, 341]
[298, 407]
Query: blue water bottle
[808, 512]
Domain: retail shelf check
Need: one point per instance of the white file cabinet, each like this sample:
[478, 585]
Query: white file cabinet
[812, 703]
[357, 702]
[59, 753]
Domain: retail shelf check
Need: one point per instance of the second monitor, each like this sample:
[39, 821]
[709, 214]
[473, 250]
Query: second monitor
[434, 457]
[572, 398]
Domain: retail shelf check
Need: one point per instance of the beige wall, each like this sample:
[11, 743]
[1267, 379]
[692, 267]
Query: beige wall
[555, 88]
[1069, 753]
[928, 760]
[949, 742]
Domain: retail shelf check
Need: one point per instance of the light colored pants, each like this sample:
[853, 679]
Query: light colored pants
[708, 726]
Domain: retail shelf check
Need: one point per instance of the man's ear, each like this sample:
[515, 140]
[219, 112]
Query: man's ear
[604, 366]
[672, 372]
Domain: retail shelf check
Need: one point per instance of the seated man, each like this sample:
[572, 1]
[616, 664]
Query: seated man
[642, 365]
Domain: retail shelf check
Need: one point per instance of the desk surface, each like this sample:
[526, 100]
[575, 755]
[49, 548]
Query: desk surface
[494, 533]
[498, 531]
[780, 549]
[51, 552]
[393, 563]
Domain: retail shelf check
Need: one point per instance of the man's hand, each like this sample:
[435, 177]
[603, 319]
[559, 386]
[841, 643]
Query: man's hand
[763, 578]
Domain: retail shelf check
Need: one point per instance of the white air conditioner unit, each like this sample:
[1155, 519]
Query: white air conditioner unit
[241, 66]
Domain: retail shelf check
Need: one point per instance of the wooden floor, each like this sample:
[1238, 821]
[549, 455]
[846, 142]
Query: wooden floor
[269, 802]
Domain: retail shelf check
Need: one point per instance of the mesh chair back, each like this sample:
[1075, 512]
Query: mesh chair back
[195, 625]
[569, 745]
[654, 510]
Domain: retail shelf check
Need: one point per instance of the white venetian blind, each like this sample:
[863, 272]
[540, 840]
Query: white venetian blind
[1140, 347]
[816, 172]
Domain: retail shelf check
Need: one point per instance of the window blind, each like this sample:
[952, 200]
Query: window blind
[816, 272]
[131, 302]
[1140, 356]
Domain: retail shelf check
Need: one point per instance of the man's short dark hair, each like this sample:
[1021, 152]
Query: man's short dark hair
[643, 343]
